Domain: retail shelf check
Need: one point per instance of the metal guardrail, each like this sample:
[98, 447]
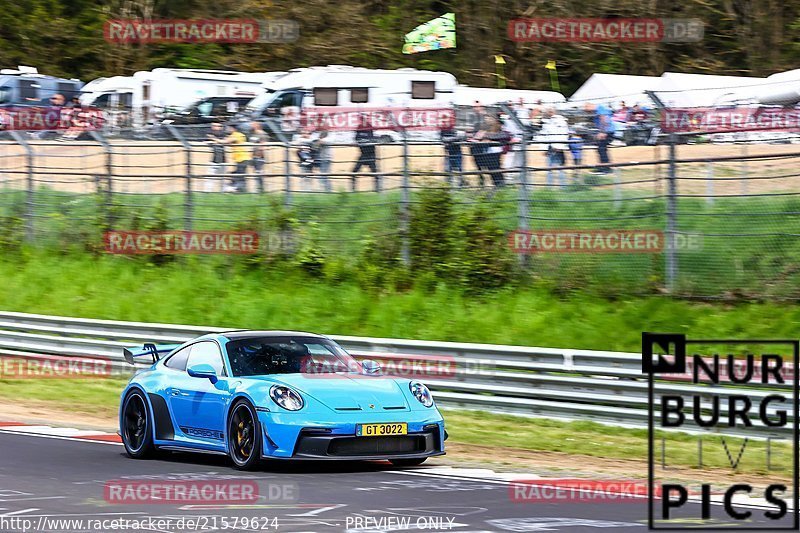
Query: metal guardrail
[606, 387]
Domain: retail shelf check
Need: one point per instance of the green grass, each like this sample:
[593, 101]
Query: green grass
[609, 442]
[98, 397]
[749, 245]
[101, 398]
[196, 291]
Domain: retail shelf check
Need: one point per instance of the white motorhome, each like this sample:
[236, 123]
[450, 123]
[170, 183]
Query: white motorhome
[337, 88]
[148, 94]
[345, 86]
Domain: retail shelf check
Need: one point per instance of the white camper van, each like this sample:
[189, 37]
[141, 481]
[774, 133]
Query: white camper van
[344, 86]
[149, 94]
[341, 87]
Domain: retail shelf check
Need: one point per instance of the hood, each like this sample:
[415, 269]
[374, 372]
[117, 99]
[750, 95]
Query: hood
[347, 392]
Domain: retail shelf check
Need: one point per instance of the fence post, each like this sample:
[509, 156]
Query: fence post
[287, 162]
[188, 203]
[710, 183]
[405, 252]
[109, 173]
[672, 190]
[523, 201]
[745, 172]
[29, 203]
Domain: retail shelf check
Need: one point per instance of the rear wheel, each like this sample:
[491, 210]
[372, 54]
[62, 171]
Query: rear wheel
[244, 436]
[136, 430]
[408, 462]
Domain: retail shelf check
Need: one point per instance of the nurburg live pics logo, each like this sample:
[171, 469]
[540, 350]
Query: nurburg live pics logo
[759, 393]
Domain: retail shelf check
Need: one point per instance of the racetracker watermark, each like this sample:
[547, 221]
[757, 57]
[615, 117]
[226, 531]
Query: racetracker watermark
[231, 31]
[42, 118]
[227, 491]
[54, 366]
[721, 403]
[384, 118]
[181, 242]
[593, 30]
[600, 241]
[705, 119]
[575, 490]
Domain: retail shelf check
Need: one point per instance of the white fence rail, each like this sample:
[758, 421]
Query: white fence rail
[606, 387]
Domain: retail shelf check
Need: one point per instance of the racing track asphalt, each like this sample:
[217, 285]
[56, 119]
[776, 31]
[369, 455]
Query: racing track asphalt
[43, 478]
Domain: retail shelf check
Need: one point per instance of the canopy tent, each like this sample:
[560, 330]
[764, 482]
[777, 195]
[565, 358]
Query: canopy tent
[611, 89]
[705, 90]
[782, 88]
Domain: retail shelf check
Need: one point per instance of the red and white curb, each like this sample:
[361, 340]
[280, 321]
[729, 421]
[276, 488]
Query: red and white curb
[39, 430]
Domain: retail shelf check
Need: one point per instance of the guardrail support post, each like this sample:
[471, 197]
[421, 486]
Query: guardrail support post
[188, 203]
[29, 192]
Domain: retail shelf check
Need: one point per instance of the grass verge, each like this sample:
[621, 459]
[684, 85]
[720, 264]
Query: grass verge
[194, 292]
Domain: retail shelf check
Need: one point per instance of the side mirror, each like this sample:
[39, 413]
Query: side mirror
[371, 367]
[202, 370]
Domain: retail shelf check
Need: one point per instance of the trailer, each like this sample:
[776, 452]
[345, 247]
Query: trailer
[148, 95]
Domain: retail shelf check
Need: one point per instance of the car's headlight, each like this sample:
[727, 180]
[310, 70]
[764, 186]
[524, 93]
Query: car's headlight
[421, 393]
[286, 397]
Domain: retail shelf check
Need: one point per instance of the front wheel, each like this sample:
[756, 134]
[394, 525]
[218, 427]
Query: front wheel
[244, 436]
[137, 435]
[408, 462]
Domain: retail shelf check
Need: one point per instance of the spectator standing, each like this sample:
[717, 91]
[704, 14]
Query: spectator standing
[605, 132]
[306, 154]
[496, 142]
[451, 138]
[324, 159]
[477, 149]
[258, 158]
[576, 149]
[216, 167]
[240, 157]
[513, 159]
[290, 121]
[365, 139]
[555, 131]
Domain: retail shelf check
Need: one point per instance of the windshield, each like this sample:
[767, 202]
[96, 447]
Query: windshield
[259, 101]
[258, 356]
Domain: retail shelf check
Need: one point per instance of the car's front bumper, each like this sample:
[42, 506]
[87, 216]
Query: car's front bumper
[291, 437]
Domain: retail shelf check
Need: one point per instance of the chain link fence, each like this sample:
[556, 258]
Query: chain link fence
[729, 213]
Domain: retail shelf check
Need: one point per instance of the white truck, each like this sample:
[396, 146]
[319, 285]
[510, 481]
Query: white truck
[147, 95]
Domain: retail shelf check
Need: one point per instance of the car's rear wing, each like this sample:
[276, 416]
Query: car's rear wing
[153, 350]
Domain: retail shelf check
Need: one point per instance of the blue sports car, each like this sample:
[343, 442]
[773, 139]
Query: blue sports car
[256, 395]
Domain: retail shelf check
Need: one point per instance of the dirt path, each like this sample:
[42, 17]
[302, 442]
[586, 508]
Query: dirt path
[160, 167]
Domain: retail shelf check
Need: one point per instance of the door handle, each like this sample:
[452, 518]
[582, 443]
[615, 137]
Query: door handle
[176, 392]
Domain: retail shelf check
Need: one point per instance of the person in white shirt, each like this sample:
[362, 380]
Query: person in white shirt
[555, 131]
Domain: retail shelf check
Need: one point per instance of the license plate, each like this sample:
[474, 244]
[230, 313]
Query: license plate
[380, 430]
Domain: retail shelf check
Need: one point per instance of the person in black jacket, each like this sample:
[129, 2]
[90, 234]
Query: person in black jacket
[451, 138]
[365, 139]
[495, 141]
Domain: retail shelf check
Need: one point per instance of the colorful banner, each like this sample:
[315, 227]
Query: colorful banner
[436, 34]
